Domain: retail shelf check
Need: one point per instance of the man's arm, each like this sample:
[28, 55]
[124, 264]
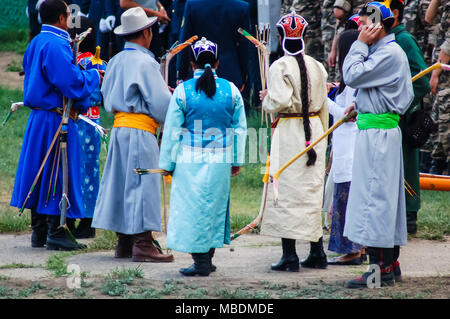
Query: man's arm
[432, 11]
[161, 15]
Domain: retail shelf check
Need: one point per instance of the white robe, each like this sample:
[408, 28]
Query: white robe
[298, 213]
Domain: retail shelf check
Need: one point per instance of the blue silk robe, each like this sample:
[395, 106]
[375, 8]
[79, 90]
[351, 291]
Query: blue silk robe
[202, 139]
[49, 75]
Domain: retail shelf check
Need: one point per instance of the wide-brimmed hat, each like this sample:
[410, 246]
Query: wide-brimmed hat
[134, 20]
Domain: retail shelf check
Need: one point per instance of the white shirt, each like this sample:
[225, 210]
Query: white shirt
[343, 137]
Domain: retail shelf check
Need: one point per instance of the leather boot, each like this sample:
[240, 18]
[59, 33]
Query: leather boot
[39, 227]
[289, 260]
[411, 222]
[201, 265]
[84, 229]
[317, 257]
[383, 257]
[145, 249]
[211, 255]
[124, 246]
[59, 238]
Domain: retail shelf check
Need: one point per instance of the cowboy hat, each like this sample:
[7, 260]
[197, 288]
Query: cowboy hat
[134, 20]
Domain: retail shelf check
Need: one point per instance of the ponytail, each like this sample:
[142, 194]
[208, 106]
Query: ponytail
[207, 82]
[312, 156]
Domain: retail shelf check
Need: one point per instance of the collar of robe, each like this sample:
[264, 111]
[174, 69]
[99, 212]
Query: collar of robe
[63, 34]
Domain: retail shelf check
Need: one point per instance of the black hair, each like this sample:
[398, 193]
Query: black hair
[206, 82]
[295, 46]
[387, 24]
[51, 10]
[90, 42]
[398, 5]
[345, 42]
[134, 36]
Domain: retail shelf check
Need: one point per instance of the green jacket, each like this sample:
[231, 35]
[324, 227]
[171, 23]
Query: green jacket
[421, 87]
[416, 63]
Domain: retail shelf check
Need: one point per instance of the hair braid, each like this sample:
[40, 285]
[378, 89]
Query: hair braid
[312, 156]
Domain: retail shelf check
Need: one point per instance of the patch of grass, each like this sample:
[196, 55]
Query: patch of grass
[18, 265]
[14, 66]
[198, 293]
[104, 240]
[14, 39]
[6, 292]
[11, 222]
[145, 293]
[117, 282]
[433, 220]
[241, 293]
[26, 292]
[57, 262]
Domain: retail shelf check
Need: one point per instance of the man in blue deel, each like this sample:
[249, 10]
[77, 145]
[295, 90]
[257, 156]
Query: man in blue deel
[50, 75]
[218, 21]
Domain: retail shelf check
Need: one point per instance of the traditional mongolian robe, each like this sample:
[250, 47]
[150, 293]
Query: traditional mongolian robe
[49, 75]
[300, 187]
[376, 214]
[127, 202]
[202, 139]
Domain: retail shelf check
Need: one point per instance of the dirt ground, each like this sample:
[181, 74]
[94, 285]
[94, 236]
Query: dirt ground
[11, 80]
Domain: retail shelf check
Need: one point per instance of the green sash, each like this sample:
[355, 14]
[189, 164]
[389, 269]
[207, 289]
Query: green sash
[380, 121]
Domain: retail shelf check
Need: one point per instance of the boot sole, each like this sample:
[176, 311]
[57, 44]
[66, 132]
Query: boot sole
[152, 260]
[55, 247]
[290, 267]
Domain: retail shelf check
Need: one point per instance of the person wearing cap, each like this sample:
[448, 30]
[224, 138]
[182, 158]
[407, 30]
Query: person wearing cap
[135, 92]
[297, 91]
[203, 144]
[378, 68]
[421, 87]
[50, 75]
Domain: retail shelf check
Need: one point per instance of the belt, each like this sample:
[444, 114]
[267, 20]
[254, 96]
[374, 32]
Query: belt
[135, 120]
[293, 115]
[73, 114]
[384, 121]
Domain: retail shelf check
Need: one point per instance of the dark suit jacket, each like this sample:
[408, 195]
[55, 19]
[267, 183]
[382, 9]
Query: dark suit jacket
[218, 21]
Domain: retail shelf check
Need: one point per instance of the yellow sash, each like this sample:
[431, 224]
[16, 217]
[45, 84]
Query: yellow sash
[135, 120]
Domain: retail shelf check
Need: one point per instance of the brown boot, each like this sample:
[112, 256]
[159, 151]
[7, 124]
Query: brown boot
[124, 246]
[145, 249]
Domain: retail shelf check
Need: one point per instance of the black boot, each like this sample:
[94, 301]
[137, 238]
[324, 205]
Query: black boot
[396, 265]
[289, 260]
[411, 222]
[317, 257]
[39, 227]
[424, 161]
[58, 238]
[70, 222]
[211, 255]
[201, 265]
[84, 229]
[383, 257]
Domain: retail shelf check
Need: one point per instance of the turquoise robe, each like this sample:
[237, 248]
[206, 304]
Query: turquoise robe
[202, 139]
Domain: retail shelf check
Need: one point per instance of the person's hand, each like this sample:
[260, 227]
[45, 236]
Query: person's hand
[110, 22]
[103, 26]
[434, 81]
[348, 110]
[370, 33]
[330, 86]
[235, 170]
[262, 94]
[101, 73]
[171, 89]
[162, 16]
[167, 173]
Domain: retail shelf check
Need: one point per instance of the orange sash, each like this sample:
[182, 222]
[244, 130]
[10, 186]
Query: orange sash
[135, 120]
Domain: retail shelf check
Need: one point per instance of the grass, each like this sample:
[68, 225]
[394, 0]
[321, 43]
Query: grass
[14, 40]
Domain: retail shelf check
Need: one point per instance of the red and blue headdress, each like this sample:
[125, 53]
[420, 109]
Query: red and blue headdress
[204, 45]
[89, 61]
[291, 28]
[354, 22]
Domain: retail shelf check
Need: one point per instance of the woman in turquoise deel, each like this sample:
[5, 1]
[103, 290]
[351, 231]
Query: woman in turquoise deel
[202, 146]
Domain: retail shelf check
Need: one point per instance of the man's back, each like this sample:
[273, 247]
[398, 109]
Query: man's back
[218, 21]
